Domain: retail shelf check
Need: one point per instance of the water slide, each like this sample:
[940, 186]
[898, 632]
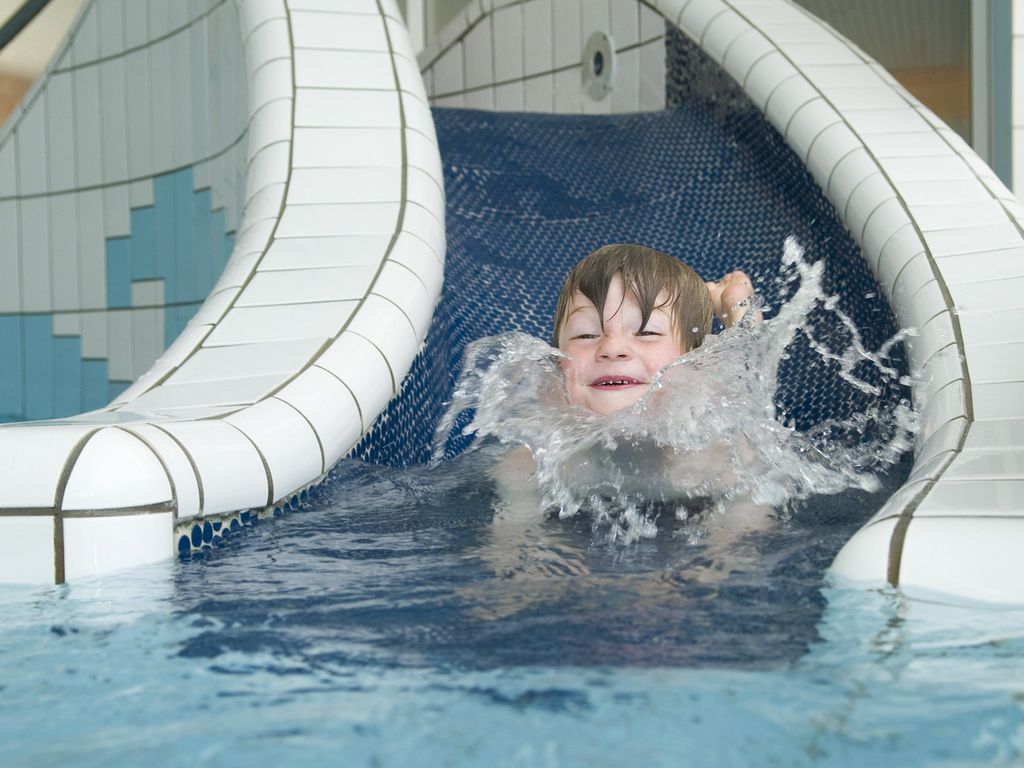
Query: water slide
[298, 138]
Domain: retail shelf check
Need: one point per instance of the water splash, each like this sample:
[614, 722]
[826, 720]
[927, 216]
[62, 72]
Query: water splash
[707, 429]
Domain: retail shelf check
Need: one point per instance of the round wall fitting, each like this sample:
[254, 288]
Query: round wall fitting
[598, 65]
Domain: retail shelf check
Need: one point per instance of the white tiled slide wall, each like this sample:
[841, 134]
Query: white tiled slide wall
[311, 326]
[942, 234]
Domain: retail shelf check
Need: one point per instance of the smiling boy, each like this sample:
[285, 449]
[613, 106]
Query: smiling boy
[625, 312]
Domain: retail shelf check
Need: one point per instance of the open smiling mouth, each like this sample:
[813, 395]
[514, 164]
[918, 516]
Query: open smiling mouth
[612, 382]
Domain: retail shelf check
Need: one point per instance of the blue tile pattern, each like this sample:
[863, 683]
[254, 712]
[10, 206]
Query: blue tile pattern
[179, 240]
[708, 180]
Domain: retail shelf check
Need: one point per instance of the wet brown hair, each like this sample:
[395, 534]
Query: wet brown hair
[645, 273]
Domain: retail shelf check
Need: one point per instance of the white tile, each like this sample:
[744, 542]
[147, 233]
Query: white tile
[30, 140]
[137, 110]
[456, 101]
[423, 189]
[935, 333]
[944, 440]
[8, 176]
[482, 98]
[696, 16]
[807, 123]
[1005, 435]
[865, 557]
[625, 24]
[508, 43]
[418, 116]
[413, 253]
[346, 147]
[307, 285]
[1003, 293]
[363, 368]
[922, 308]
[270, 124]
[994, 327]
[297, 321]
[409, 78]
[163, 71]
[944, 405]
[538, 94]
[111, 27]
[271, 81]
[566, 36]
[997, 400]
[722, 32]
[958, 213]
[973, 268]
[871, 121]
[405, 289]
[64, 252]
[267, 167]
[421, 152]
[286, 440]
[87, 128]
[595, 16]
[625, 95]
[976, 240]
[902, 145]
[26, 550]
[232, 472]
[296, 253]
[883, 223]
[334, 108]
[338, 219]
[116, 470]
[746, 50]
[85, 43]
[793, 31]
[423, 224]
[264, 204]
[329, 406]
[934, 192]
[338, 31]
[10, 261]
[343, 69]
[390, 330]
[864, 200]
[186, 484]
[821, 53]
[765, 76]
[33, 458]
[879, 97]
[246, 360]
[448, 72]
[942, 368]
[335, 6]
[60, 139]
[171, 399]
[36, 292]
[987, 565]
[509, 97]
[988, 465]
[345, 185]
[926, 169]
[847, 175]
[828, 149]
[829, 77]
[173, 356]
[652, 76]
[478, 55]
[990, 496]
[652, 23]
[538, 50]
[933, 467]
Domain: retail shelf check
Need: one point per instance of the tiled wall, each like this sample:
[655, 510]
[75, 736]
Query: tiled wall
[526, 55]
[120, 180]
[1018, 98]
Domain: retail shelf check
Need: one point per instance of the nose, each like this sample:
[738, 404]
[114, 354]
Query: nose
[614, 346]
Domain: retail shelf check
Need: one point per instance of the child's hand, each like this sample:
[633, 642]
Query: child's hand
[728, 296]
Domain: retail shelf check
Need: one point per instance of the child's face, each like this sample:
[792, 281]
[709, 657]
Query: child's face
[610, 369]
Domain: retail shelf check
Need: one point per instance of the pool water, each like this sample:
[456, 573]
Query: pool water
[401, 622]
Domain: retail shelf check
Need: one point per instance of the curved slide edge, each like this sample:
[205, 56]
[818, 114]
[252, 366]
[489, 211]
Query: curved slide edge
[942, 235]
[307, 334]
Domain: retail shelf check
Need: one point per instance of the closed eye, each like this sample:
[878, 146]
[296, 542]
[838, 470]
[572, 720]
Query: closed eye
[584, 336]
[650, 333]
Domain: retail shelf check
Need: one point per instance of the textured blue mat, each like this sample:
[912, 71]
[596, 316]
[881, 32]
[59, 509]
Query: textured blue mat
[707, 180]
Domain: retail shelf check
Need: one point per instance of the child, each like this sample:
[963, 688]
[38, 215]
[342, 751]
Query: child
[626, 311]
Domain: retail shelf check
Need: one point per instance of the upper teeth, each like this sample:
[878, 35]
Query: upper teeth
[616, 381]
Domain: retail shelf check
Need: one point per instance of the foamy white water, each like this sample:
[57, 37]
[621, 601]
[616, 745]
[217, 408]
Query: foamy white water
[706, 429]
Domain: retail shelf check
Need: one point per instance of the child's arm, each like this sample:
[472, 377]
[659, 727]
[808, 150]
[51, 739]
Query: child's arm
[728, 296]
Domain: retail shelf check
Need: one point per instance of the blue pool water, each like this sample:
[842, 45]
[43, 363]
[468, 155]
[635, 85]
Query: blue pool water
[397, 623]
